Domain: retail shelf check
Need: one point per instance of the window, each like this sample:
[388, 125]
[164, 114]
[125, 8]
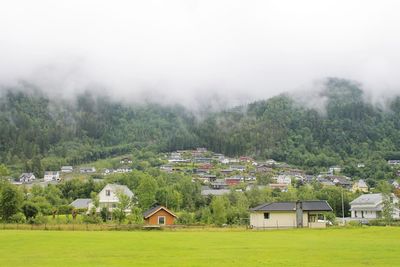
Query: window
[266, 215]
[108, 193]
[321, 217]
[161, 219]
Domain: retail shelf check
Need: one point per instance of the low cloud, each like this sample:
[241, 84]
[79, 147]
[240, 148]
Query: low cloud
[199, 53]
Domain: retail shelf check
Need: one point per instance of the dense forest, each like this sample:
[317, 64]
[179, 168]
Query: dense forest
[38, 132]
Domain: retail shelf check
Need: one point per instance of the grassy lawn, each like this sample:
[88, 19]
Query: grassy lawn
[330, 247]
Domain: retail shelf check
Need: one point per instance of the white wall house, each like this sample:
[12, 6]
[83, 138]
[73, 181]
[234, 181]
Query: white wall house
[108, 196]
[51, 176]
[298, 214]
[27, 177]
[369, 206]
[283, 179]
[67, 169]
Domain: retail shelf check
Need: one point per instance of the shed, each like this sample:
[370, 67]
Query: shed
[159, 215]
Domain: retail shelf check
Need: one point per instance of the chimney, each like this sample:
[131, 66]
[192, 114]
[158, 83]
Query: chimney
[299, 214]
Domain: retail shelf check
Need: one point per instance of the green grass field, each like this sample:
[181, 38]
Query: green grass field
[371, 246]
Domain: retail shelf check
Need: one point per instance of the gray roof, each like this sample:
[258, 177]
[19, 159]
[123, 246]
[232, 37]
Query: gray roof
[26, 174]
[121, 188]
[368, 199]
[214, 192]
[81, 203]
[309, 205]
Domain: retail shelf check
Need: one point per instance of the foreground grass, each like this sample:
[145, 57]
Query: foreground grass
[373, 246]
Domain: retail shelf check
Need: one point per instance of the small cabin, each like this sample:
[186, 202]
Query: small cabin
[159, 215]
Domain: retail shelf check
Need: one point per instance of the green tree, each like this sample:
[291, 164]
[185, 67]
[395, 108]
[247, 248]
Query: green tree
[146, 192]
[10, 201]
[30, 210]
[219, 210]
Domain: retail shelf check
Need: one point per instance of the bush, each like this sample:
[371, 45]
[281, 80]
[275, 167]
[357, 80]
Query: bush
[39, 219]
[18, 218]
[92, 219]
[353, 223]
[65, 209]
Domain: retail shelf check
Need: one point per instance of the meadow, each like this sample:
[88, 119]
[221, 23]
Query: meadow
[366, 246]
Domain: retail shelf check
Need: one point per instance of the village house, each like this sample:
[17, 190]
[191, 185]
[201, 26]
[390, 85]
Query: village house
[87, 170]
[123, 169]
[341, 181]
[395, 184]
[263, 168]
[283, 179]
[219, 184]
[159, 215]
[370, 206]
[166, 168]
[394, 162]
[238, 168]
[271, 163]
[214, 192]
[360, 186]
[51, 176]
[202, 160]
[126, 161]
[108, 197]
[67, 169]
[234, 180]
[334, 169]
[290, 214]
[26, 178]
[324, 181]
[281, 187]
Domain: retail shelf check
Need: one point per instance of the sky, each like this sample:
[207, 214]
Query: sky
[187, 52]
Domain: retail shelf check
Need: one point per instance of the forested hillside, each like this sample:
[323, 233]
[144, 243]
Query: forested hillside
[40, 132]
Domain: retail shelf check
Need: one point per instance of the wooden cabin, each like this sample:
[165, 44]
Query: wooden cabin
[159, 215]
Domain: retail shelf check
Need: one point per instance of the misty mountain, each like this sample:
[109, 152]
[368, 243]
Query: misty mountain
[38, 129]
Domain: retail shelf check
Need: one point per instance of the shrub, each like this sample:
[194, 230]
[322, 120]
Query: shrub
[18, 218]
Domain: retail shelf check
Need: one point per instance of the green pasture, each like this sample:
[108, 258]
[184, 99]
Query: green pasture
[367, 246]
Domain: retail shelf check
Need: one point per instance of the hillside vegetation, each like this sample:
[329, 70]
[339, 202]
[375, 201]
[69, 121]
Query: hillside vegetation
[38, 132]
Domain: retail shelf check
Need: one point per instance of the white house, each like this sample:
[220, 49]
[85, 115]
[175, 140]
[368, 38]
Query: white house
[27, 177]
[334, 169]
[87, 170]
[108, 197]
[67, 169]
[369, 206]
[126, 160]
[283, 179]
[51, 176]
[310, 213]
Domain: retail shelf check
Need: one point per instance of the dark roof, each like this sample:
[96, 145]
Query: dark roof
[310, 205]
[153, 210]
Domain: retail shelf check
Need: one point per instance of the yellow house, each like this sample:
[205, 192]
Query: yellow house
[290, 214]
[360, 186]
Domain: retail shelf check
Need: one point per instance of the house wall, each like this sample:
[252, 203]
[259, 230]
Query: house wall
[276, 219]
[112, 198]
[364, 214]
[279, 219]
[153, 220]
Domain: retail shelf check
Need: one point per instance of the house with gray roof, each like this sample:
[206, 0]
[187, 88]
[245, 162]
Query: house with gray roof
[310, 213]
[81, 203]
[370, 206]
[109, 197]
[26, 177]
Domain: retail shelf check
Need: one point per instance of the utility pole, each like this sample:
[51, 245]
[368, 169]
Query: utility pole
[342, 208]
